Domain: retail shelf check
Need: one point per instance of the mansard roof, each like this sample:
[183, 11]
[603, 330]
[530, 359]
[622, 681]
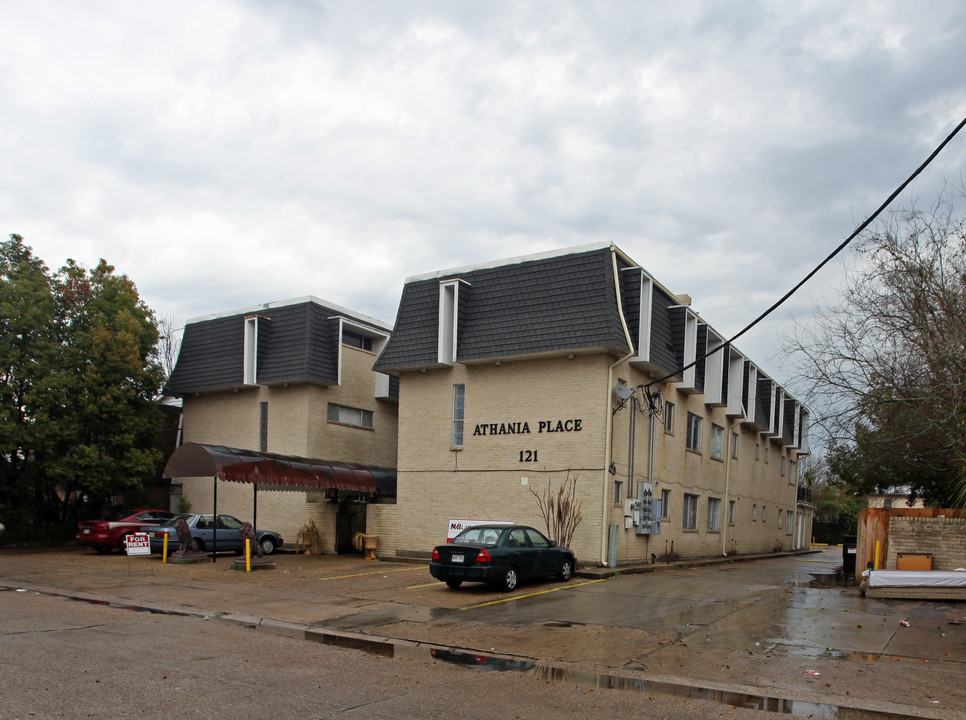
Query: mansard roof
[537, 305]
[298, 341]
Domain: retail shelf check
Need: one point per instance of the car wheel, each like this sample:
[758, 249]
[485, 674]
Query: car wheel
[102, 549]
[510, 578]
[268, 544]
[566, 570]
[121, 546]
[454, 584]
[200, 543]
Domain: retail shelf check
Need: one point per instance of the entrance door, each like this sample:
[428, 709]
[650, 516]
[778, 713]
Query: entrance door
[350, 518]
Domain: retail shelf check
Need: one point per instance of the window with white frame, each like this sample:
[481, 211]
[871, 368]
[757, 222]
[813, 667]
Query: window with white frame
[250, 350]
[690, 517]
[731, 512]
[714, 514]
[788, 522]
[665, 503]
[717, 441]
[792, 472]
[350, 415]
[669, 418]
[618, 491]
[694, 432]
[459, 393]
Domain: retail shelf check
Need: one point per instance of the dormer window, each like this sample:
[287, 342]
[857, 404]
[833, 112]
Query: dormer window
[250, 357]
[449, 303]
[356, 340]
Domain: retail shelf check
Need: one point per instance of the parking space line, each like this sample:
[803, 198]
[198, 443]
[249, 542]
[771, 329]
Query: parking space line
[435, 582]
[378, 572]
[542, 592]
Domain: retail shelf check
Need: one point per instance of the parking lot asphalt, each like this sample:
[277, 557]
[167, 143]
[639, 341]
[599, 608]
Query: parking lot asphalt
[775, 633]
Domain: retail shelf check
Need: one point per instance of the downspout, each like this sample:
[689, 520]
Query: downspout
[609, 432]
[727, 449]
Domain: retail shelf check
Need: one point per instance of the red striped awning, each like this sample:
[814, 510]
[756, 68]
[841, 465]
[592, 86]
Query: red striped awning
[279, 472]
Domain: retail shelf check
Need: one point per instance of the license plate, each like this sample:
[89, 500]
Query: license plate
[87, 531]
[456, 557]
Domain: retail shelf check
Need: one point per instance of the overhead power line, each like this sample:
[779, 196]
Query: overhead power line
[840, 248]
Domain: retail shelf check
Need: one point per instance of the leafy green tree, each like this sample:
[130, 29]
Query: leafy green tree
[79, 421]
[885, 367]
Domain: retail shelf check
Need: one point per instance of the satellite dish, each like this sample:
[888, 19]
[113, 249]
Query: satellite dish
[623, 392]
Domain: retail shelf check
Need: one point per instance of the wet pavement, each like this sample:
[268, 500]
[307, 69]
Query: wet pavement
[774, 633]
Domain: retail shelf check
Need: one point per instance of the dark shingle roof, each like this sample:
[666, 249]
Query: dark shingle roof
[552, 304]
[297, 342]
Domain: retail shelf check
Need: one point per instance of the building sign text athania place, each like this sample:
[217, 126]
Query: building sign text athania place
[523, 427]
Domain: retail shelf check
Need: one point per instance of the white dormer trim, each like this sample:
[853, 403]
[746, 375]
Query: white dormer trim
[250, 351]
[714, 365]
[449, 303]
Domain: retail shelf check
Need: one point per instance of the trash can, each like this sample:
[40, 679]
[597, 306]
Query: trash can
[849, 544]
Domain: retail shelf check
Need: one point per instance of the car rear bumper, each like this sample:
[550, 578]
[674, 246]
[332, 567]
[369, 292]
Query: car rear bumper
[470, 573]
[94, 539]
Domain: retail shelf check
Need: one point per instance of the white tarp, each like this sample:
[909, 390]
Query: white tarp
[917, 578]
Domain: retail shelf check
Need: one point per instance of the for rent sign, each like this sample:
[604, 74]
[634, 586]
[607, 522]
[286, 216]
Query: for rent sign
[137, 544]
[455, 527]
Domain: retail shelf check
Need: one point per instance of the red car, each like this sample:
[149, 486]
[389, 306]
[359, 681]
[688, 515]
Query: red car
[109, 533]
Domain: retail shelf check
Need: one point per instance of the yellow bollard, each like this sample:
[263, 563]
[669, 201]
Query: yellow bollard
[248, 555]
[876, 566]
[164, 550]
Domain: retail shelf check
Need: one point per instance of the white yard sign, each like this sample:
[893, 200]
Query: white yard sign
[137, 544]
[455, 527]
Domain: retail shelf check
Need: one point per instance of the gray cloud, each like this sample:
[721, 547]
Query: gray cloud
[230, 153]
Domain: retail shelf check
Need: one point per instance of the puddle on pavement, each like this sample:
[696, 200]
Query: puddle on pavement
[851, 655]
[606, 681]
[839, 579]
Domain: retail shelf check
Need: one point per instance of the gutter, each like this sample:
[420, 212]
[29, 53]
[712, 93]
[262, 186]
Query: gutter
[609, 431]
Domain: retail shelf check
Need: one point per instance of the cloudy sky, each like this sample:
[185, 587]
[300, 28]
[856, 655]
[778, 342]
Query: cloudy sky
[226, 154]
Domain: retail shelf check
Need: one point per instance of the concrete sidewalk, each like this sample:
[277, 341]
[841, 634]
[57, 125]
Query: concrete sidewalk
[718, 629]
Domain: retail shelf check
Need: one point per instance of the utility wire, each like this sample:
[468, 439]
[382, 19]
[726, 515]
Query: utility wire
[824, 262]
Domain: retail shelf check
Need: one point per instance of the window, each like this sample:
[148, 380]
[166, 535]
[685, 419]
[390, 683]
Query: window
[618, 491]
[694, 432]
[792, 472]
[717, 441]
[780, 518]
[250, 351]
[459, 392]
[356, 340]
[783, 466]
[757, 451]
[788, 522]
[764, 508]
[263, 426]
[690, 521]
[714, 514]
[754, 511]
[734, 445]
[766, 455]
[669, 418]
[665, 503]
[350, 415]
[731, 512]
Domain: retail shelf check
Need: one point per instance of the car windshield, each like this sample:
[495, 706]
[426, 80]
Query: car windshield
[171, 521]
[479, 536]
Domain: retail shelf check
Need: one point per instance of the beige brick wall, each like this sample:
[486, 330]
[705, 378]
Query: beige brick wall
[945, 538]
[297, 425]
[485, 479]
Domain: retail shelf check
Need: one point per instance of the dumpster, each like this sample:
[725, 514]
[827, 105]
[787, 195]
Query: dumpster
[849, 544]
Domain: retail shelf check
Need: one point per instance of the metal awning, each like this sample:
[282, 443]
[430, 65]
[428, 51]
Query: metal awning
[277, 472]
